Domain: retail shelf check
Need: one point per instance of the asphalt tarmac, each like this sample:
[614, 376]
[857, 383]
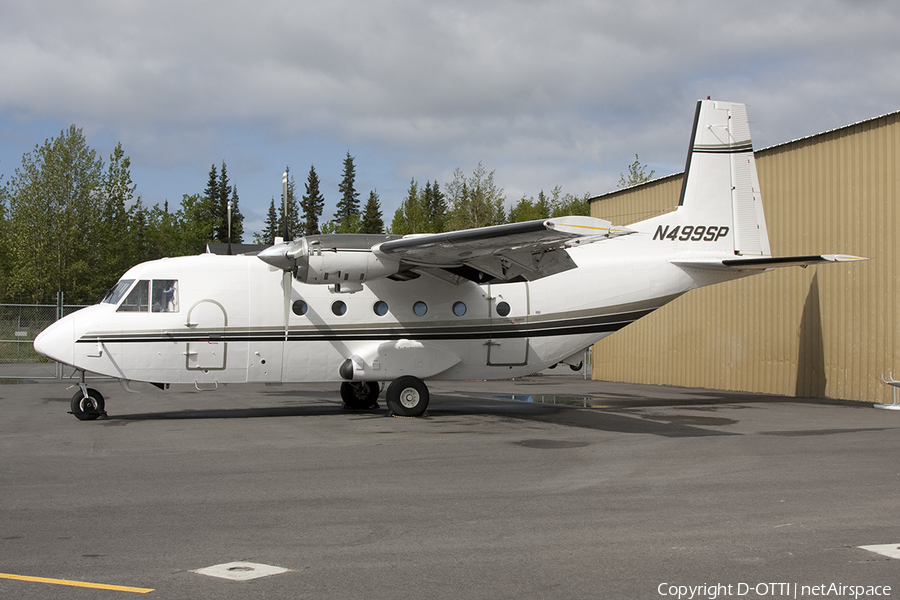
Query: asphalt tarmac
[539, 488]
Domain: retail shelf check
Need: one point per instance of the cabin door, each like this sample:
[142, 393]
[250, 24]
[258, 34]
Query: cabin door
[509, 309]
[207, 352]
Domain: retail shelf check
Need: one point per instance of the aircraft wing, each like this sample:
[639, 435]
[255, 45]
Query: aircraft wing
[760, 263]
[514, 251]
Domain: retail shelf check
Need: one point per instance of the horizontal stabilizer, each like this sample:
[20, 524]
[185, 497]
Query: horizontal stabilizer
[761, 263]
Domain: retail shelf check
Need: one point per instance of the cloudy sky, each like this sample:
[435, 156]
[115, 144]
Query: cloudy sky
[543, 93]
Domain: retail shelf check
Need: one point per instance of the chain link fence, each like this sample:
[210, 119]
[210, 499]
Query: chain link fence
[19, 325]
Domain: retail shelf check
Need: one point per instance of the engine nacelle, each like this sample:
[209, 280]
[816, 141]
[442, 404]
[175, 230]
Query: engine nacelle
[333, 259]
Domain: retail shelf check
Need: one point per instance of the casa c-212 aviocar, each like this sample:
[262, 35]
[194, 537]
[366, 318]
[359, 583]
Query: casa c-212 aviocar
[371, 310]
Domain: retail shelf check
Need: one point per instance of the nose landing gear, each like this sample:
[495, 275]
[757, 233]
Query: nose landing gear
[360, 395]
[88, 404]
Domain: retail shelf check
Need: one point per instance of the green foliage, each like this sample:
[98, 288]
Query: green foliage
[348, 205]
[424, 210]
[636, 174]
[69, 224]
[75, 228]
[572, 205]
[54, 211]
[352, 225]
[372, 221]
[312, 203]
[410, 216]
[474, 201]
[270, 231]
[527, 209]
[4, 242]
[237, 218]
[220, 193]
[193, 223]
[556, 205]
[435, 208]
[119, 231]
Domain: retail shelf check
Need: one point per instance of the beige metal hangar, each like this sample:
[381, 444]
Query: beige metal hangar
[827, 331]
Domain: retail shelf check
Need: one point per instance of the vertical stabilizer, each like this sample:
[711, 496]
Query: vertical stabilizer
[720, 181]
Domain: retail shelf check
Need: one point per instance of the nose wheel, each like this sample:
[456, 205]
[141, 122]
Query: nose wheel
[88, 404]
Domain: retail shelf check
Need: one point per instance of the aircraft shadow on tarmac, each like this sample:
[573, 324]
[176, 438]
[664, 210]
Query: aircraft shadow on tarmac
[442, 408]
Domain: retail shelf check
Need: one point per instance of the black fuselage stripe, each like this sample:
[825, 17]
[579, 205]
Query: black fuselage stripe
[606, 323]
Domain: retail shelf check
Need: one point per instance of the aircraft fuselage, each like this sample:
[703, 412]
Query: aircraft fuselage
[233, 322]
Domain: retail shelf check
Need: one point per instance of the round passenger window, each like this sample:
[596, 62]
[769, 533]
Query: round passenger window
[420, 308]
[299, 307]
[502, 309]
[380, 308]
[339, 308]
[459, 308]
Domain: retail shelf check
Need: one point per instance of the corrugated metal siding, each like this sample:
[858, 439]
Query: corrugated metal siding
[827, 331]
[639, 203]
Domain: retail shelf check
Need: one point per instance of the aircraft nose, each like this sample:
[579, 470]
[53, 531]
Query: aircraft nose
[57, 341]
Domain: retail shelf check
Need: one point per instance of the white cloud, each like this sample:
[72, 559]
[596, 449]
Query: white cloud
[545, 93]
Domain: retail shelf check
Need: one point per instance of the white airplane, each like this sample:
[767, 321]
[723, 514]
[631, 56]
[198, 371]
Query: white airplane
[489, 303]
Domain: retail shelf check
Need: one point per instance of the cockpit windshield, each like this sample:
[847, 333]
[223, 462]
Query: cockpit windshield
[117, 291]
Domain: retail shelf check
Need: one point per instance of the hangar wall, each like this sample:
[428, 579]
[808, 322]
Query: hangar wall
[826, 331]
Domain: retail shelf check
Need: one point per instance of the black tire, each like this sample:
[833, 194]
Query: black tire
[90, 407]
[360, 395]
[407, 396]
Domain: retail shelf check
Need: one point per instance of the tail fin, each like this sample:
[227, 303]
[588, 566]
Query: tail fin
[720, 186]
[720, 210]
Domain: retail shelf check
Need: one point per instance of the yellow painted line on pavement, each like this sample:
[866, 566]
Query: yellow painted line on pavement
[84, 584]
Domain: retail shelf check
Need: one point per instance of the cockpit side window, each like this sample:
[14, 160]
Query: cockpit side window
[117, 291]
[138, 300]
[165, 295]
[159, 295]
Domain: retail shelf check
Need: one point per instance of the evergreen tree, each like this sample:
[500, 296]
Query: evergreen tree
[312, 203]
[270, 231]
[348, 205]
[435, 208]
[212, 192]
[220, 192]
[372, 221]
[424, 210]
[193, 223]
[410, 215]
[237, 219]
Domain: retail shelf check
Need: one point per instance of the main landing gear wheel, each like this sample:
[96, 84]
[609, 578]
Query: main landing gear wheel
[89, 406]
[407, 396]
[360, 395]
